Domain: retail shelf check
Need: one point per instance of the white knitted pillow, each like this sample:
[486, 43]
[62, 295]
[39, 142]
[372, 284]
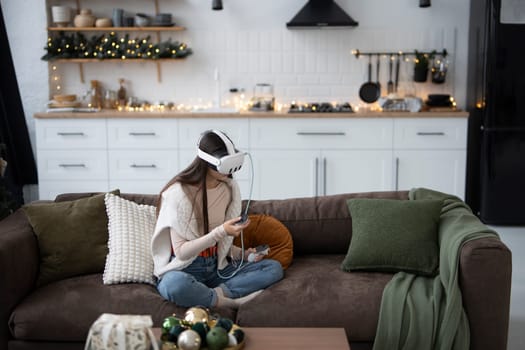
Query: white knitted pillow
[130, 227]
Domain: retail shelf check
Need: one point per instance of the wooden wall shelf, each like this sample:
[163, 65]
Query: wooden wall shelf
[114, 60]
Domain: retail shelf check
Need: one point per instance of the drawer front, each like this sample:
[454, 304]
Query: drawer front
[142, 133]
[70, 134]
[143, 165]
[326, 133]
[71, 165]
[191, 129]
[434, 133]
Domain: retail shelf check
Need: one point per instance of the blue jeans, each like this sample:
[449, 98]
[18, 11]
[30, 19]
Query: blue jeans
[194, 285]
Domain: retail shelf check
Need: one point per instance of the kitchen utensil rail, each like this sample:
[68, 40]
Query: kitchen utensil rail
[358, 53]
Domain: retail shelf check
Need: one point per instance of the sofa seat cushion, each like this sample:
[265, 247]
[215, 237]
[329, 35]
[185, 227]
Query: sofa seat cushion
[316, 293]
[65, 310]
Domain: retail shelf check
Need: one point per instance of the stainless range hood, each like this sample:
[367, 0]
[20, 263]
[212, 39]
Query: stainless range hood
[321, 13]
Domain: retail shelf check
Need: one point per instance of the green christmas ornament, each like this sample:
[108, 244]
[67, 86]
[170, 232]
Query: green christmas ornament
[169, 322]
[175, 332]
[202, 329]
[225, 323]
[217, 338]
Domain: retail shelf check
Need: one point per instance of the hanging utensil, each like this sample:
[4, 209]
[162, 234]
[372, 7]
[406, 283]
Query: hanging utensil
[390, 83]
[378, 63]
[369, 91]
[396, 81]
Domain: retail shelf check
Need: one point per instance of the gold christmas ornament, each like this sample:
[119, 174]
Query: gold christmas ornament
[197, 314]
[189, 340]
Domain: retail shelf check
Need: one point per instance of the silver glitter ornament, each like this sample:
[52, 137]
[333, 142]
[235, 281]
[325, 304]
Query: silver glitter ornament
[189, 340]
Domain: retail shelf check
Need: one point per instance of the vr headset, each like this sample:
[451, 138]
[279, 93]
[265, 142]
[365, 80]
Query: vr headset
[227, 164]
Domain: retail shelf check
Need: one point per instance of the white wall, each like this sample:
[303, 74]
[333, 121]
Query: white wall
[249, 43]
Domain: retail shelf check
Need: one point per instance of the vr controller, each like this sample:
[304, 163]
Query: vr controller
[262, 249]
[244, 218]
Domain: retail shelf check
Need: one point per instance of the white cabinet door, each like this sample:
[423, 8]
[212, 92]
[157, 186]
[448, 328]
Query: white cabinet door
[281, 174]
[355, 171]
[440, 170]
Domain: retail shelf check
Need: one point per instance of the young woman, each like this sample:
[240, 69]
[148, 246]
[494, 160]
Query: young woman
[198, 218]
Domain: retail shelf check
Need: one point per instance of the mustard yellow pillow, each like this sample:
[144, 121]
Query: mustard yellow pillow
[265, 229]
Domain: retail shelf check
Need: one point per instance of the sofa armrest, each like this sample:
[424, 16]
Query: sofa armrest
[485, 282]
[18, 266]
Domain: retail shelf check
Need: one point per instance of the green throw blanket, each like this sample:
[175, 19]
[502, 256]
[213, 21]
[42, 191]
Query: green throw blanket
[427, 312]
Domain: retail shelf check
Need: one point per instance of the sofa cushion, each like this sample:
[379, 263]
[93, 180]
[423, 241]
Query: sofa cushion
[72, 305]
[72, 237]
[265, 229]
[130, 227]
[316, 293]
[394, 235]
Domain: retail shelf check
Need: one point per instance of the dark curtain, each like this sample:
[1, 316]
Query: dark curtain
[21, 169]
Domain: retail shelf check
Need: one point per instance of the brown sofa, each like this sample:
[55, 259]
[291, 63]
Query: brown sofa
[315, 292]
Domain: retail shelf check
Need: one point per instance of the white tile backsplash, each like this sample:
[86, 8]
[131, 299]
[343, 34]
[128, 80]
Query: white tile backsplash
[248, 56]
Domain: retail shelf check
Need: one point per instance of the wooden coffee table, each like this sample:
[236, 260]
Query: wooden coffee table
[295, 338]
[268, 338]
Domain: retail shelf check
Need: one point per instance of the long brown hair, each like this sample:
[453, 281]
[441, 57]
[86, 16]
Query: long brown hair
[195, 173]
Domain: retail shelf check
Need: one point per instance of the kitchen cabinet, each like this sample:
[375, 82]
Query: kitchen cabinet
[142, 154]
[311, 157]
[430, 153]
[71, 156]
[292, 157]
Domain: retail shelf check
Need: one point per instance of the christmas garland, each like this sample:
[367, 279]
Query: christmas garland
[110, 46]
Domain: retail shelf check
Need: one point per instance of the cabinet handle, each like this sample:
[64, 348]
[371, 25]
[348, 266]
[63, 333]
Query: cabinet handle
[316, 180]
[70, 134]
[321, 133]
[66, 165]
[324, 176]
[397, 174]
[436, 133]
[142, 166]
[142, 134]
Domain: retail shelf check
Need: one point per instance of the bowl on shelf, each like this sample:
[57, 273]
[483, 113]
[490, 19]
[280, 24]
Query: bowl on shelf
[142, 20]
[103, 22]
[64, 98]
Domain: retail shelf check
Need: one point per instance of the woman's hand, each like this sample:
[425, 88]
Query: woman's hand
[233, 228]
[247, 252]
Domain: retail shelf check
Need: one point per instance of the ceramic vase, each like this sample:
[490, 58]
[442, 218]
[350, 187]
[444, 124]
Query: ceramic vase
[84, 19]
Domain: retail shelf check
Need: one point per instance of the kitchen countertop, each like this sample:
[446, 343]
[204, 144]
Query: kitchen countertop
[142, 115]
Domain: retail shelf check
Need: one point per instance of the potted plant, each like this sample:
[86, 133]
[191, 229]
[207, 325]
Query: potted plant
[421, 65]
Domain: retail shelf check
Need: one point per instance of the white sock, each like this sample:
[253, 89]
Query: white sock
[223, 301]
[248, 297]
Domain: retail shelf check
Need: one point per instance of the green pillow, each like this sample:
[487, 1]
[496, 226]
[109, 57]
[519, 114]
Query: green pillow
[72, 237]
[391, 235]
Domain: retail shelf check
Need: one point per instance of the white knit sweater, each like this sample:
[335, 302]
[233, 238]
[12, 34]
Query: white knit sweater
[176, 214]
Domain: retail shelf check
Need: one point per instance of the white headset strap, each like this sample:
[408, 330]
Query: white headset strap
[207, 157]
[226, 141]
